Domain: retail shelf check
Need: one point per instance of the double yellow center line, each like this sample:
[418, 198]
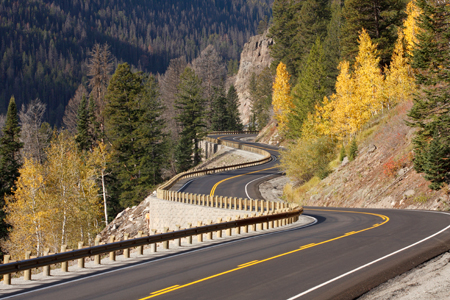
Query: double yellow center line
[256, 262]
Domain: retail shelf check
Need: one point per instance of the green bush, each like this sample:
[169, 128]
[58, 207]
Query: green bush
[353, 150]
[342, 154]
[305, 159]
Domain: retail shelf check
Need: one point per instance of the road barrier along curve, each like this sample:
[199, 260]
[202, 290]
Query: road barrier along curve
[266, 215]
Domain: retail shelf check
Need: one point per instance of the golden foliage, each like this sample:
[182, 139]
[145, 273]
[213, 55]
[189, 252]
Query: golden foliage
[282, 99]
[55, 203]
[410, 26]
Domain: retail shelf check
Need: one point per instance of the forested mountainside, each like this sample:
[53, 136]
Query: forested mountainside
[45, 44]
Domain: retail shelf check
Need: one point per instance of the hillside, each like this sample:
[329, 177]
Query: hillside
[381, 176]
[45, 44]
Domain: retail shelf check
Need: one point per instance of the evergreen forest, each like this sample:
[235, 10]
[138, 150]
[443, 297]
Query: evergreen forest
[44, 45]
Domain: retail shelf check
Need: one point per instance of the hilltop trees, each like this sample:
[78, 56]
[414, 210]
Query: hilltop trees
[380, 18]
[430, 111]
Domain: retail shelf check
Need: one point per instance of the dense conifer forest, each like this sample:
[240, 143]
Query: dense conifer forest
[44, 44]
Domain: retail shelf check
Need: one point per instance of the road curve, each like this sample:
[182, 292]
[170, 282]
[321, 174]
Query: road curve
[345, 254]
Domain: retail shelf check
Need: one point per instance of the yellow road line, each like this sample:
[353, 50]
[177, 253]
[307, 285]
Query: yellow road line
[165, 290]
[215, 186]
[247, 265]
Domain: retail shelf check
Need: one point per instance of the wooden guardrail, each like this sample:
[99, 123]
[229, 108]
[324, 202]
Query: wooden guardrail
[266, 221]
[271, 215]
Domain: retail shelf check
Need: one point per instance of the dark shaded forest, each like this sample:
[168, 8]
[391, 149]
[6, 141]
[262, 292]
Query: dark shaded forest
[45, 44]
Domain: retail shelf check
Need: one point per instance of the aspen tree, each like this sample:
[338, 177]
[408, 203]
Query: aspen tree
[282, 99]
[411, 28]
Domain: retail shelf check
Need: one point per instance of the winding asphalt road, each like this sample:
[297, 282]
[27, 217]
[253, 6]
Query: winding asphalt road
[346, 253]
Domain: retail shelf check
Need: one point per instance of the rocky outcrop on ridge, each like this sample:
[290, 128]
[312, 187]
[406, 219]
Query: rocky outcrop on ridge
[254, 58]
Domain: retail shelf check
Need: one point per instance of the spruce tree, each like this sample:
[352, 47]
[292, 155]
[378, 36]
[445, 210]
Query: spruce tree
[190, 105]
[436, 164]
[353, 152]
[234, 119]
[309, 90]
[10, 160]
[431, 106]
[342, 154]
[83, 137]
[219, 113]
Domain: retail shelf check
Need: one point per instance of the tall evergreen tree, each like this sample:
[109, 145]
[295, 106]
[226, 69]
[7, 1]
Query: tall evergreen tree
[191, 118]
[219, 114]
[134, 129]
[380, 18]
[310, 89]
[234, 118]
[83, 138]
[431, 108]
[260, 88]
[10, 161]
[332, 45]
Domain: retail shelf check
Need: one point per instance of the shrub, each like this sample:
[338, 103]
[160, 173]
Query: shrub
[342, 154]
[353, 150]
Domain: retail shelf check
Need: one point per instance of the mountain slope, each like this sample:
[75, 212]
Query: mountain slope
[44, 43]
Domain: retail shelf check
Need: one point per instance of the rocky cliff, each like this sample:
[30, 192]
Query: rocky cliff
[254, 58]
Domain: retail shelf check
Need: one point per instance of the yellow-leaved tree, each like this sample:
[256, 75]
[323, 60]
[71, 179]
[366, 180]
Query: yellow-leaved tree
[399, 84]
[282, 99]
[28, 212]
[368, 79]
[55, 203]
[411, 29]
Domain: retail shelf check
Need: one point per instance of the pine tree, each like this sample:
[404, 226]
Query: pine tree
[83, 137]
[282, 99]
[191, 117]
[342, 154]
[436, 164]
[332, 45]
[234, 119]
[430, 111]
[260, 89]
[219, 115]
[380, 18]
[353, 152]
[310, 89]
[10, 160]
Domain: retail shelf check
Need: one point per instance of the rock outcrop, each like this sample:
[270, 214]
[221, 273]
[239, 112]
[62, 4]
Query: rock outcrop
[254, 58]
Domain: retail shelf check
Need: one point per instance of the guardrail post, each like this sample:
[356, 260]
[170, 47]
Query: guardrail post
[140, 248]
[97, 259]
[126, 252]
[246, 226]
[190, 237]
[210, 234]
[178, 229]
[235, 203]
[64, 264]
[253, 225]
[46, 269]
[240, 204]
[199, 236]
[219, 232]
[112, 254]
[27, 273]
[6, 277]
[238, 229]
[166, 243]
[220, 202]
[250, 204]
[80, 260]
[245, 204]
[229, 229]
[154, 246]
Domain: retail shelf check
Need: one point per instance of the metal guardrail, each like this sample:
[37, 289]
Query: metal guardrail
[18, 266]
[234, 132]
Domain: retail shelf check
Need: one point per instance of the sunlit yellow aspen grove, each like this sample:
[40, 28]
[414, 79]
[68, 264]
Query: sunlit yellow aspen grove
[56, 203]
[282, 99]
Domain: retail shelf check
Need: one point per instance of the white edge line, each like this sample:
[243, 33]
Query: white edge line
[163, 258]
[366, 265]
[181, 188]
[246, 191]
